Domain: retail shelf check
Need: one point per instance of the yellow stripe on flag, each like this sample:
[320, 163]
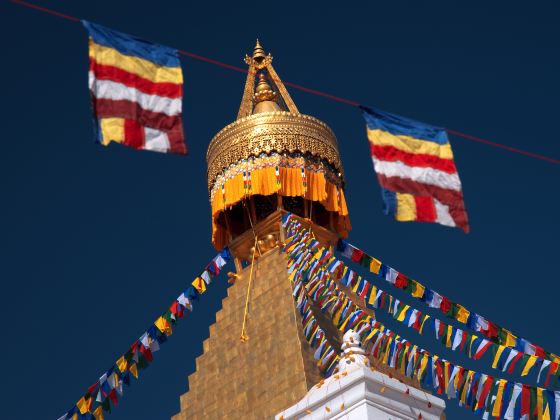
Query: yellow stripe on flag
[423, 322]
[139, 66]
[540, 402]
[402, 315]
[112, 129]
[406, 207]
[372, 295]
[423, 365]
[498, 354]
[409, 144]
[355, 287]
[530, 362]
[498, 403]
[449, 334]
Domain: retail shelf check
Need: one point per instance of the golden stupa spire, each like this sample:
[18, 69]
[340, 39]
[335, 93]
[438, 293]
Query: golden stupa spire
[261, 63]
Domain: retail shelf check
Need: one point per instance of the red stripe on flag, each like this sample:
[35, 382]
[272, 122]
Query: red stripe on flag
[108, 108]
[514, 361]
[525, 400]
[425, 209]
[177, 140]
[133, 134]
[392, 154]
[115, 74]
[453, 199]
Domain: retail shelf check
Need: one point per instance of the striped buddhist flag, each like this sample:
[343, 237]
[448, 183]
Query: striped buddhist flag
[137, 91]
[415, 167]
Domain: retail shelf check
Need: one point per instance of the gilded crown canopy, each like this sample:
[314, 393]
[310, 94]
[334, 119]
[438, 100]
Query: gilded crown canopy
[267, 123]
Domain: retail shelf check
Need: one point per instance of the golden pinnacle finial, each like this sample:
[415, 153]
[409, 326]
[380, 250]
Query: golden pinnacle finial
[258, 52]
[259, 58]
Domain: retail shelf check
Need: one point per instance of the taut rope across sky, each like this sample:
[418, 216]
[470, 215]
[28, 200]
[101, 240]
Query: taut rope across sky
[308, 90]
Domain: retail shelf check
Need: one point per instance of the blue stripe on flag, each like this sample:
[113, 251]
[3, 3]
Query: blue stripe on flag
[397, 125]
[389, 202]
[131, 45]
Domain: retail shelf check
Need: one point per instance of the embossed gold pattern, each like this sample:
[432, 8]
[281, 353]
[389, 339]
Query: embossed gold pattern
[270, 132]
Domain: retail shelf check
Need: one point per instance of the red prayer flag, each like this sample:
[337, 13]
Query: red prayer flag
[357, 255]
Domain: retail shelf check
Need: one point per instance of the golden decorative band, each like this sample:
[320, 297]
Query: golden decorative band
[270, 132]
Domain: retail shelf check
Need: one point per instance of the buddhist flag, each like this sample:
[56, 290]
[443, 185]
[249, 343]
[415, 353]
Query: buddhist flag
[415, 167]
[137, 91]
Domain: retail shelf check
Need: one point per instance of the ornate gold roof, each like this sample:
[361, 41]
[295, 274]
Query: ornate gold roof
[269, 122]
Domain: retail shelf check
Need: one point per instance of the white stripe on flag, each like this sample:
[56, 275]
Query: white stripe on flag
[156, 140]
[429, 176]
[442, 214]
[107, 89]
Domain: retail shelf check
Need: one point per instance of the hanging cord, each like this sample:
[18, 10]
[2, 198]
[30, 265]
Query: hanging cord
[252, 227]
[244, 337]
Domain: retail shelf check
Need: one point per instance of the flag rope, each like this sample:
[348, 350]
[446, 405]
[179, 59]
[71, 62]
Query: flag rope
[244, 338]
[304, 89]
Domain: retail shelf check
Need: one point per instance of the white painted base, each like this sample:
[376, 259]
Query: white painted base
[359, 394]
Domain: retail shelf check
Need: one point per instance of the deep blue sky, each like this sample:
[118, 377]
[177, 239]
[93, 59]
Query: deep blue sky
[96, 242]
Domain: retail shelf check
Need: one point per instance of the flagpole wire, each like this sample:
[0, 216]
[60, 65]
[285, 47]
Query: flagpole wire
[303, 88]
[244, 338]
[252, 226]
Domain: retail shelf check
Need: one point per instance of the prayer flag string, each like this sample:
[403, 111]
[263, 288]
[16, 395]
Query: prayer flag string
[107, 390]
[475, 322]
[485, 395]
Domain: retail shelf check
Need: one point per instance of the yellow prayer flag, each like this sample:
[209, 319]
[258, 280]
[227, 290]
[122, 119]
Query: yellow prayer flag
[419, 291]
[343, 326]
[498, 403]
[163, 325]
[423, 365]
[511, 340]
[498, 354]
[84, 405]
[446, 374]
[199, 285]
[98, 413]
[449, 336]
[467, 387]
[530, 362]
[473, 337]
[462, 314]
[372, 295]
[134, 370]
[374, 265]
[336, 317]
[386, 355]
[122, 364]
[540, 403]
